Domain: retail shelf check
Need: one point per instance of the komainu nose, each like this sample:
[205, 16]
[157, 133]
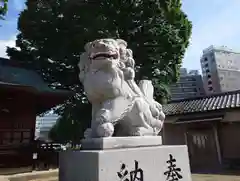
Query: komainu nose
[101, 44]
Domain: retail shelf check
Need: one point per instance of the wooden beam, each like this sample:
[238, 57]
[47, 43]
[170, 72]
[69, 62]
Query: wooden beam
[215, 132]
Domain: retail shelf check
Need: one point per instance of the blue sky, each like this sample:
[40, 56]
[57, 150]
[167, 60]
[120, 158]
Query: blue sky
[215, 22]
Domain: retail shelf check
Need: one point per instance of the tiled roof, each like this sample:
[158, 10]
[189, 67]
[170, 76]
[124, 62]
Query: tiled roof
[17, 76]
[202, 104]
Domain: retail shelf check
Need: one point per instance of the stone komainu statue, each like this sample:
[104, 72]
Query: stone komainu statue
[120, 107]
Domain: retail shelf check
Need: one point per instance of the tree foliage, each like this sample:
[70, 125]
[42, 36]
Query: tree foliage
[3, 8]
[53, 33]
[68, 128]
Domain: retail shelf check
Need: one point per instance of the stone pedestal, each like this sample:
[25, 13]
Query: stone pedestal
[118, 159]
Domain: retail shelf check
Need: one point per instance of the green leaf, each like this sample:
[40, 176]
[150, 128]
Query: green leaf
[3, 8]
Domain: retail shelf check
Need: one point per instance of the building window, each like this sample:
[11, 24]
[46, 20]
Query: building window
[18, 125]
[213, 59]
[210, 88]
[191, 79]
[206, 65]
[209, 76]
[15, 137]
[200, 140]
[209, 82]
[205, 59]
[189, 90]
[207, 71]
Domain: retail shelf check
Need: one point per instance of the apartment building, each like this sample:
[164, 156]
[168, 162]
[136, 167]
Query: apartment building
[220, 69]
[189, 85]
[44, 125]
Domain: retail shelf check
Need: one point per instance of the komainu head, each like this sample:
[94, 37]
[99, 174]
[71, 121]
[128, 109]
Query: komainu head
[104, 53]
[110, 49]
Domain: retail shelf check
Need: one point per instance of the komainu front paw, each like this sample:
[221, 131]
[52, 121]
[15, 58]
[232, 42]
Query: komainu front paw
[105, 130]
[141, 131]
[88, 133]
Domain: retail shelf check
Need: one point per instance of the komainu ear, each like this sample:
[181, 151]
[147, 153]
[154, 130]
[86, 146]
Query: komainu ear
[87, 46]
[121, 43]
[83, 61]
[129, 53]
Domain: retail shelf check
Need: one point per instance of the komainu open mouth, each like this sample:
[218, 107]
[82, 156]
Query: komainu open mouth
[104, 55]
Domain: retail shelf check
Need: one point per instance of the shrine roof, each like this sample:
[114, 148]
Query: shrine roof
[20, 77]
[215, 102]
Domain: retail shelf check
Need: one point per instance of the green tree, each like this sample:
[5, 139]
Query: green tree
[68, 128]
[53, 33]
[3, 8]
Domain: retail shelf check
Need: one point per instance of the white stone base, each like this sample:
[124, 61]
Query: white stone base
[104, 165]
[120, 142]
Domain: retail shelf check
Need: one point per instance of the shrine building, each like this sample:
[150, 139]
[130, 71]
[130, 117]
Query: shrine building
[23, 95]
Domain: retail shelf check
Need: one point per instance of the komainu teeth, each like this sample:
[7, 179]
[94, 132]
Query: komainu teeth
[105, 55]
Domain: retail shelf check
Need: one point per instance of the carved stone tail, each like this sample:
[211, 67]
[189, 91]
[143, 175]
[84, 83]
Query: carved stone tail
[147, 89]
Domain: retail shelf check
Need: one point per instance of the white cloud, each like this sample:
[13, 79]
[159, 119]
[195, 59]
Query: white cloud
[4, 44]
